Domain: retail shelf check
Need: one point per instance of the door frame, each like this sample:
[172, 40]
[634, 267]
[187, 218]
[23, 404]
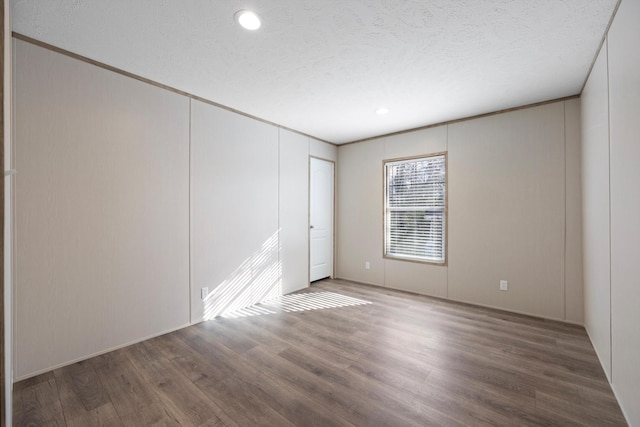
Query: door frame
[333, 222]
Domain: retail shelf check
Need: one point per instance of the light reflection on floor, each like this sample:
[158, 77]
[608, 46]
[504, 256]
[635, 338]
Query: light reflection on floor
[297, 302]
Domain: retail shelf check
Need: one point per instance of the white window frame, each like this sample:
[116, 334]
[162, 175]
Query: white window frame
[439, 209]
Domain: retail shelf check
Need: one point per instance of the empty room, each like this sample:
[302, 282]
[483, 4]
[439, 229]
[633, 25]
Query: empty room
[320, 213]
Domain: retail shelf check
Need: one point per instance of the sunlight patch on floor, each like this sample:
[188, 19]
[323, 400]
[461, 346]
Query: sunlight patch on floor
[296, 303]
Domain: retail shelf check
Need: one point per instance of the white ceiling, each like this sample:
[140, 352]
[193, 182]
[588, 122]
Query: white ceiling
[323, 67]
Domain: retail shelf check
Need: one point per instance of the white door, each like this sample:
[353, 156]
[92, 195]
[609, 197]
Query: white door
[320, 219]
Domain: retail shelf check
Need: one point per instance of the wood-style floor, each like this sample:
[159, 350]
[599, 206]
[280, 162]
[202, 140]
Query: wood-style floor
[402, 360]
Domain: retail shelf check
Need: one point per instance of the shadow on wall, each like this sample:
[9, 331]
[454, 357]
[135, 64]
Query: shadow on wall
[257, 279]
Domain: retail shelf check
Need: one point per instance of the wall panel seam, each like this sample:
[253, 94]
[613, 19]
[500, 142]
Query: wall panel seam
[564, 225]
[609, 205]
[279, 229]
[190, 296]
[447, 235]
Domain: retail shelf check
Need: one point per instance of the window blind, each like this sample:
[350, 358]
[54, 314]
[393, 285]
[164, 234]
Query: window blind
[415, 200]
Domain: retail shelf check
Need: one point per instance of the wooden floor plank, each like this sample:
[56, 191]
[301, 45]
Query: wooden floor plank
[184, 401]
[38, 403]
[83, 382]
[356, 409]
[82, 396]
[131, 397]
[241, 367]
[402, 359]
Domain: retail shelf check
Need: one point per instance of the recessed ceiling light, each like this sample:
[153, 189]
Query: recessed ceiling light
[247, 19]
[382, 111]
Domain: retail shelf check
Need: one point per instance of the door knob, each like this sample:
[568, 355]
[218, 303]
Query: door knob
[311, 226]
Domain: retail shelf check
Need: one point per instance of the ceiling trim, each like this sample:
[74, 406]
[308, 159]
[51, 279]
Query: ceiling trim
[464, 119]
[102, 65]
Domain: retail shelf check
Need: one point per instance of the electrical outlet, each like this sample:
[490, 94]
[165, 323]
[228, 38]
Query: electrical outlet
[204, 292]
[504, 285]
[367, 265]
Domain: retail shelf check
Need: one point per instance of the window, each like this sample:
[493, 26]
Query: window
[415, 209]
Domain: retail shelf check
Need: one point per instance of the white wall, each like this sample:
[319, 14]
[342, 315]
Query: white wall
[624, 101]
[616, 175]
[506, 210]
[131, 198]
[322, 150]
[234, 211]
[294, 210]
[596, 222]
[102, 200]
[507, 213]
[249, 210]
[573, 287]
[359, 212]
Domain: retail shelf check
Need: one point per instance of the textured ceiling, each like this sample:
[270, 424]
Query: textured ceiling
[323, 67]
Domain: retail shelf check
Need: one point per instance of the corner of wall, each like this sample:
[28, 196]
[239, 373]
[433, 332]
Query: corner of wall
[573, 281]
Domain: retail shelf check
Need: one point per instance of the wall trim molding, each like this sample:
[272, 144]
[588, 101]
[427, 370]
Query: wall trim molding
[464, 119]
[101, 352]
[471, 304]
[602, 42]
[102, 65]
